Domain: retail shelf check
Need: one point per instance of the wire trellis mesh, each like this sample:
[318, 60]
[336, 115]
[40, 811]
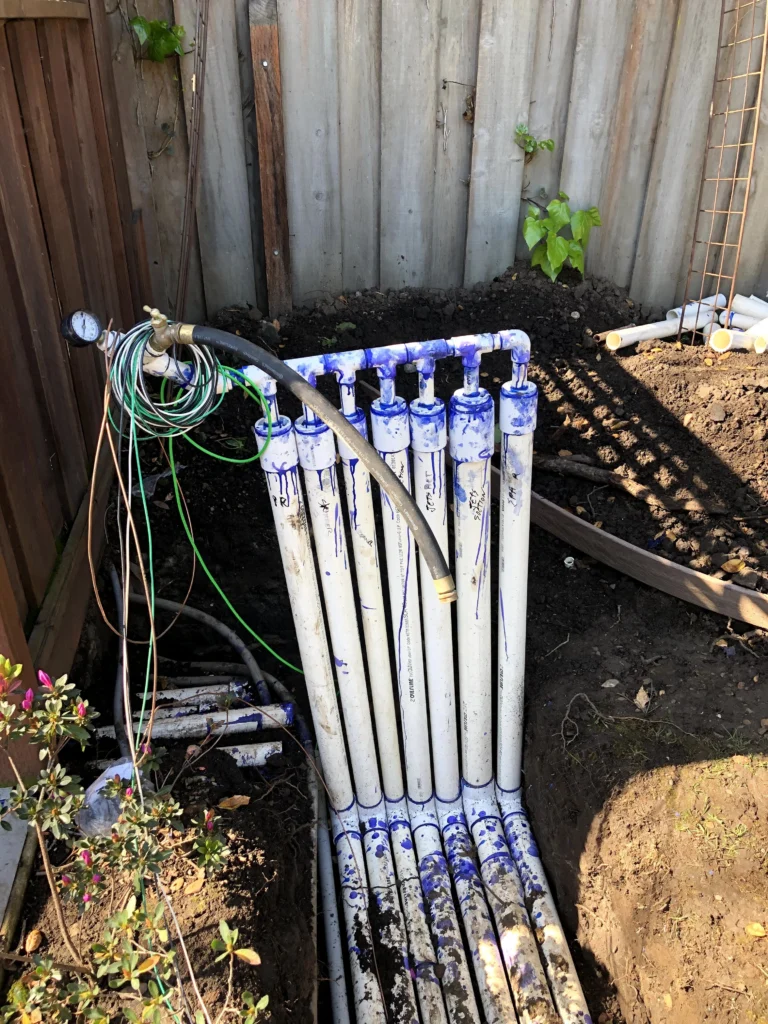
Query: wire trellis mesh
[730, 152]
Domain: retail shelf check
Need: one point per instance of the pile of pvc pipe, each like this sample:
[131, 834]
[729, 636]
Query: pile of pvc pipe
[694, 319]
[440, 844]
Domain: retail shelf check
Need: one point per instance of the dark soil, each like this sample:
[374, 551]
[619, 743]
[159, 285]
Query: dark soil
[645, 815]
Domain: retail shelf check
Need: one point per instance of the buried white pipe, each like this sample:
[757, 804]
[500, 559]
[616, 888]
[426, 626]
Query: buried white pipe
[252, 719]
[517, 417]
[317, 455]
[737, 320]
[750, 306]
[245, 755]
[693, 306]
[280, 463]
[334, 951]
[471, 445]
[663, 329]
[191, 694]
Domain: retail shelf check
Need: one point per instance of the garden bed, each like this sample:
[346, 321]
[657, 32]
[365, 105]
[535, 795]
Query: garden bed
[649, 815]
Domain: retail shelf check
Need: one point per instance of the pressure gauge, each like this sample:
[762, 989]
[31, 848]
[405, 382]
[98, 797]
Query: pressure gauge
[81, 328]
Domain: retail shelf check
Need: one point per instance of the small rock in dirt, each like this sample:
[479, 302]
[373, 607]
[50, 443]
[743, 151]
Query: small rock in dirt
[575, 315]
[581, 289]
[760, 432]
[422, 312]
[704, 392]
[717, 412]
[748, 578]
[700, 562]
[588, 343]
[449, 310]
[610, 684]
[328, 308]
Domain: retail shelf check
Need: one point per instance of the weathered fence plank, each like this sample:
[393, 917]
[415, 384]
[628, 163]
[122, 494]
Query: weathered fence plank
[266, 88]
[408, 139]
[456, 79]
[504, 75]
[550, 93]
[631, 138]
[664, 243]
[360, 140]
[597, 69]
[223, 206]
[310, 80]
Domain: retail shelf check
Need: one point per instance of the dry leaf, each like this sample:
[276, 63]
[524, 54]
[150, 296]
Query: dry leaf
[148, 964]
[687, 418]
[733, 565]
[679, 346]
[194, 886]
[755, 930]
[670, 536]
[599, 524]
[176, 884]
[276, 324]
[564, 453]
[642, 700]
[708, 362]
[725, 355]
[231, 803]
[580, 510]
[668, 1000]
[33, 941]
[249, 955]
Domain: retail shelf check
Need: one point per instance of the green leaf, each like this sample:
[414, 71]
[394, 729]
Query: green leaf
[533, 230]
[225, 931]
[576, 254]
[141, 27]
[557, 251]
[582, 223]
[346, 326]
[539, 259]
[564, 196]
[547, 144]
[559, 214]
[534, 211]
[262, 1004]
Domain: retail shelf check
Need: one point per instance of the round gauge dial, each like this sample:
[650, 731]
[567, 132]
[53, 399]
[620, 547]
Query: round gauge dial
[81, 327]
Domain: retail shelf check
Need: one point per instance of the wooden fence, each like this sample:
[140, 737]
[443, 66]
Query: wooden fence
[67, 240]
[400, 161]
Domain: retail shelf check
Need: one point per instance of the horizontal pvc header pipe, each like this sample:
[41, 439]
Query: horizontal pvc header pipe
[271, 716]
[692, 307]
[663, 329]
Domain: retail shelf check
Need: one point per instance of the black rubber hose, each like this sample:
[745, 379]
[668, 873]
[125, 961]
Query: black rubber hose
[329, 414]
[219, 627]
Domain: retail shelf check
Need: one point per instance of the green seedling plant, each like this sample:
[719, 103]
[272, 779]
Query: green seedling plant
[550, 249]
[530, 144]
[135, 953]
[158, 39]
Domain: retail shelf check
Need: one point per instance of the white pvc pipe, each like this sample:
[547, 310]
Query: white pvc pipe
[752, 306]
[663, 329]
[246, 755]
[334, 950]
[366, 990]
[561, 970]
[270, 716]
[280, 463]
[517, 421]
[693, 306]
[391, 436]
[191, 694]
[472, 442]
[755, 338]
[429, 438]
[737, 320]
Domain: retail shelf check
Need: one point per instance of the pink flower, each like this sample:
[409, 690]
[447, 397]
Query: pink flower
[129, 791]
[65, 880]
[146, 748]
[27, 702]
[86, 855]
[81, 710]
[86, 897]
[96, 879]
[209, 826]
[45, 680]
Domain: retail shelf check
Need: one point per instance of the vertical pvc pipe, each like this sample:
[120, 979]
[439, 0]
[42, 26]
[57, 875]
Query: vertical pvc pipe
[317, 455]
[471, 445]
[518, 422]
[429, 438]
[391, 435]
[362, 524]
[334, 950]
[280, 464]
